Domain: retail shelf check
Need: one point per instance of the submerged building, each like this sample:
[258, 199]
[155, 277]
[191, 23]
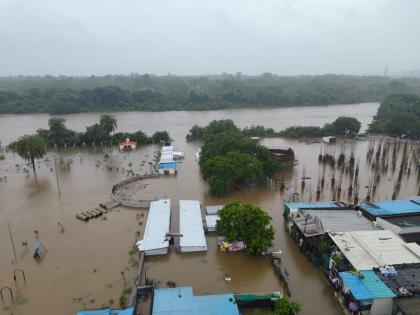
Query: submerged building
[182, 301]
[191, 227]
[389, 208]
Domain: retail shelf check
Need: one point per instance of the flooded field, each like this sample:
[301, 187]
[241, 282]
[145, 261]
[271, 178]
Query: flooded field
[89, 264]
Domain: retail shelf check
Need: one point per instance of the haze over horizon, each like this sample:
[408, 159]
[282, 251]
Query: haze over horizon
[186, 37]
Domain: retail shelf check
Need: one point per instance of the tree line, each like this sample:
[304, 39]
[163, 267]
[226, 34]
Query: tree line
[342, 126]
[59, 95]
[31, 147]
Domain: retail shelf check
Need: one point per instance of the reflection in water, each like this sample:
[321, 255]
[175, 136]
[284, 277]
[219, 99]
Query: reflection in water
[84, 263]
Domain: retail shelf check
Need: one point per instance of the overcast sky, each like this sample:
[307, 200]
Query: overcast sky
[286, 37]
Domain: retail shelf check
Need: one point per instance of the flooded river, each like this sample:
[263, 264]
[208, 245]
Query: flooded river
[88, 264]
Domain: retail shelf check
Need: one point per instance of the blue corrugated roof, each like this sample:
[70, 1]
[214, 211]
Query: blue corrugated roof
[181, 301]
[314, 205]
[377, 288]
[356, 286]
[167, 165]
[107, 311]
[392, 207]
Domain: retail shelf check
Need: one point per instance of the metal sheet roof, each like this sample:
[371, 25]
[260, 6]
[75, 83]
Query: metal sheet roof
[368, 287]
[181, 301]
[315, 222]
[157, 226]
[214, 209]
[407, 276]
[191, 225]
[376, 287]
[356, 287]
[392, 207]
[107, 311]
[409, 305]
[314, 205]
[370, 249]
[211, 220]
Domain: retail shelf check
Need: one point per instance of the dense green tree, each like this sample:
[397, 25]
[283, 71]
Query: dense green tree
[195, 133]
[285, 306]
[248, 223]
[57, 130]
[398, 115]
[346, 126]
[31, 148]
[161, 136]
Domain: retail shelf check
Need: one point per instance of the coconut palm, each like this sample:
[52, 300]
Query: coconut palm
[31, 148]
[109, 124]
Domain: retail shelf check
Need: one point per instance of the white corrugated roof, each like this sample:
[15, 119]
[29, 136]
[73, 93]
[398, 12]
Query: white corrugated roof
[191, 224]
[167, 148]
[370, 249]
[211, 220]
[166, 157]
[157, 226]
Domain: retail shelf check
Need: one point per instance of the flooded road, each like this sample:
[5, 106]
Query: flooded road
[88, 264]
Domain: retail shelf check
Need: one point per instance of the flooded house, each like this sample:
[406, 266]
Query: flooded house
[181, 300]
[127, 145]
[284, 157]
[155, 239]
[191, 227]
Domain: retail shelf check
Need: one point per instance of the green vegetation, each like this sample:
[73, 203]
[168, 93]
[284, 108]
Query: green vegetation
[398, 115]
[2, 157]
[285, 306]
[146, 92]
[229, 159]
[31, 148]
[248, 223]
[100, 133]
[342, 126]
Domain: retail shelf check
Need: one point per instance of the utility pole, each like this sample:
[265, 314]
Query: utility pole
[11, 240]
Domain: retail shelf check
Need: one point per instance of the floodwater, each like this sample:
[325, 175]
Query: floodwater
[88, 264]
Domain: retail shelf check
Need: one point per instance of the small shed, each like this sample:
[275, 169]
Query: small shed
[367, 292]
[211, 221]
[127, 144]
[291, 209]
[213, 209]
[191, 227]
[155, 240]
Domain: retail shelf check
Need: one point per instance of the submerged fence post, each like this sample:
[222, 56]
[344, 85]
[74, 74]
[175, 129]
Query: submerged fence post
[1, 293]
[21, 271]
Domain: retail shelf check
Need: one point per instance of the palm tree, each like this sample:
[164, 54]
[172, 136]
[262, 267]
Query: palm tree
[57, 130]
[31, 148]
[108, 123]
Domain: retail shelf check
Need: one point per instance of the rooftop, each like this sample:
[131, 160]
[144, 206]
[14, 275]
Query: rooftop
[315, 205]
[316, 222]
[407, 276]
[107, 311]
[181, 301]
[366, 287]
[191, 226]
[366, 250]
[410, 306]
[391, 207]
[157, 226]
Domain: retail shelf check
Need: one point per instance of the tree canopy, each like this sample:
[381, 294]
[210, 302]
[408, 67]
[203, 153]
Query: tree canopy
[59, 95]
[398, 115]
[229, 159]
[285, 306]
[30, 148]
[248, 223]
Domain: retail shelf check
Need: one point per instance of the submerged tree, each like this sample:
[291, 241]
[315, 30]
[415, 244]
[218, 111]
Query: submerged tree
[31, 148]
[285, 306]
[57, 130]
[247, 223]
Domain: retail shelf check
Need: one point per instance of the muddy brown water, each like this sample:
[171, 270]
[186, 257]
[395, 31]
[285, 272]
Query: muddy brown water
[84, 264]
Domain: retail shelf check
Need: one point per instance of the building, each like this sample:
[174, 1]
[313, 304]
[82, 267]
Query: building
[402, 279]
[167, 167]
[191, 227]
[284, 157]
[211, 221]
[366, 293]
[365, 250]
[406, 306]
[406, 226]
[291, 209]
[127, 145]
[389, 208]
[182, 301]
[155, 240]
[213, 209]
